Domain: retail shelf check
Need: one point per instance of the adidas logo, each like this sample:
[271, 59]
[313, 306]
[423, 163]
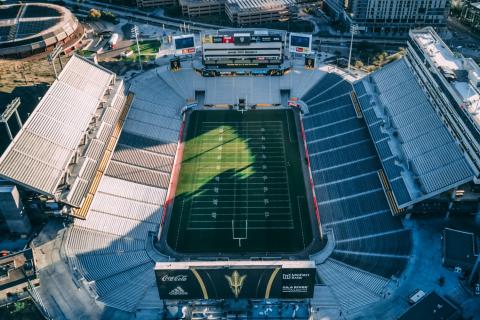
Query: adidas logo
[178, 291]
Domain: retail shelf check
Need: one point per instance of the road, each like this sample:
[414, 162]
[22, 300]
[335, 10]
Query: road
[135, 15]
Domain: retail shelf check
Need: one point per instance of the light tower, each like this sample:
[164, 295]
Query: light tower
[353, 30]
[10, 110]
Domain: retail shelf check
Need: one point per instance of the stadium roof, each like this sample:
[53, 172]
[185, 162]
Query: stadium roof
[419, 155]
[39, 155]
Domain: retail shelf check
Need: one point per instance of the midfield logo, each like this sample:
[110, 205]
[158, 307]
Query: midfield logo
[235, 281]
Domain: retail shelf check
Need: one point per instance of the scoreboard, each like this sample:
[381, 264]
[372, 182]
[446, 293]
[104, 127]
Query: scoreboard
[247, 49]
[235, 280]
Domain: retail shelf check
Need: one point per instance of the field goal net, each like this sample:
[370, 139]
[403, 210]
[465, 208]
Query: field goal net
[239, 230]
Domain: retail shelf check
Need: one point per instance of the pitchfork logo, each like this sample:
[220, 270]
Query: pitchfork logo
[235, 281]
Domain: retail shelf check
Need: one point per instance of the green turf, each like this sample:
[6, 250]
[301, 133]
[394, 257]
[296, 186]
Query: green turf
[241, 187]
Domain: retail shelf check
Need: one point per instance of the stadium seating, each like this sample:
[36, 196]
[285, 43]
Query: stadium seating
[353, 288]
[113, 248]
[397, 110]
[350, 197]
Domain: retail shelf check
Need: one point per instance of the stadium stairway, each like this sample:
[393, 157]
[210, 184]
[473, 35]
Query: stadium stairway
[354, 288]
[170, 78]
[371, 246]
[112, 251]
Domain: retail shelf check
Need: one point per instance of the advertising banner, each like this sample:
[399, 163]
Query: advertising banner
[236, 283]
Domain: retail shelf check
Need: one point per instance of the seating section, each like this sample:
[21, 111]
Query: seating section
[350, 197]
[419, 155]
[353, 288]
[111, 250]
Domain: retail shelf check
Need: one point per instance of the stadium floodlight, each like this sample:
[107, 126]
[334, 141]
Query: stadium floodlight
[353, 30]
[53, 55]
[135, 33]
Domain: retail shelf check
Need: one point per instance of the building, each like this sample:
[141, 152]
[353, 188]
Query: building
[249, 48]
[12, 210]
[197, 8]
[260, 11]
[16, 270]
[35, 28]
[471, 15]
[242, 12]
[459, 249]
[67, 141]
[432, 307]
[390, 16]
[155, 3]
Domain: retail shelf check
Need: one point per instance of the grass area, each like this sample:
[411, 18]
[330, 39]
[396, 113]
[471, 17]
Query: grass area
[21, 310]
[370, 56]
[241, 186]
[148, 50]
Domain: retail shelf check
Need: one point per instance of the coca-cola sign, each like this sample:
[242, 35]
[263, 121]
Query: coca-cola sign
[177, 278]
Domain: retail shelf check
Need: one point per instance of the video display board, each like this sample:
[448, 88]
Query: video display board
[184, 44]
[261, 282]
[300, 43]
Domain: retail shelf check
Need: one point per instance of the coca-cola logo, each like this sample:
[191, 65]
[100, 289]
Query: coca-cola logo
[177, 278]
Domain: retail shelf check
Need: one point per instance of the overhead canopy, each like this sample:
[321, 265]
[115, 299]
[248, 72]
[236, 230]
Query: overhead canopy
[41, 152]
[420, 157]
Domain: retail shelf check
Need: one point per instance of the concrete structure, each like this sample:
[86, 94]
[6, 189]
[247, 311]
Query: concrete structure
[242, 12]
[260, 11]
[63, 148]
[425, 127]
[197, 8]
[16, 270]
[459, 249]
[27, 29]
[231, 48]
[471, 15]
[155, 3]
[12, 210]
[391, 16]
[433, 307]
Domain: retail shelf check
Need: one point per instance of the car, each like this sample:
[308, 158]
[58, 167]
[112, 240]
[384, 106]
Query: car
[477, 289]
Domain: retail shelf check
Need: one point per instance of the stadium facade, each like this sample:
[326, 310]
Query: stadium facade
[36, 28]
[400, 140]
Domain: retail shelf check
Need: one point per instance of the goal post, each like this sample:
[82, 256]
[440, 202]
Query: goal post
[239, 230]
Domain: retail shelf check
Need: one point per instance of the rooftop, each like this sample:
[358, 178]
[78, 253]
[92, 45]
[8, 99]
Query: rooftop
[459, 249]
[420, 157]
[431, 307]
[60, 144]
[255, 5]
[22, 21]
[463, 73]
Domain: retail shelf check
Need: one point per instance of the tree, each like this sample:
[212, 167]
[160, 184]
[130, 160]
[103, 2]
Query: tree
[358, 64]
[94, 14]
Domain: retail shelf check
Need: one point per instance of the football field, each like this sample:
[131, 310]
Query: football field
[241, 186]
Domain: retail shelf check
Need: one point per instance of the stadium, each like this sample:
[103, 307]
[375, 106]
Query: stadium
[280, 186]
[35, 28]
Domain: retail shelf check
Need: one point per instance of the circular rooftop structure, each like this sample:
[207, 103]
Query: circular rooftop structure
[32, 28]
